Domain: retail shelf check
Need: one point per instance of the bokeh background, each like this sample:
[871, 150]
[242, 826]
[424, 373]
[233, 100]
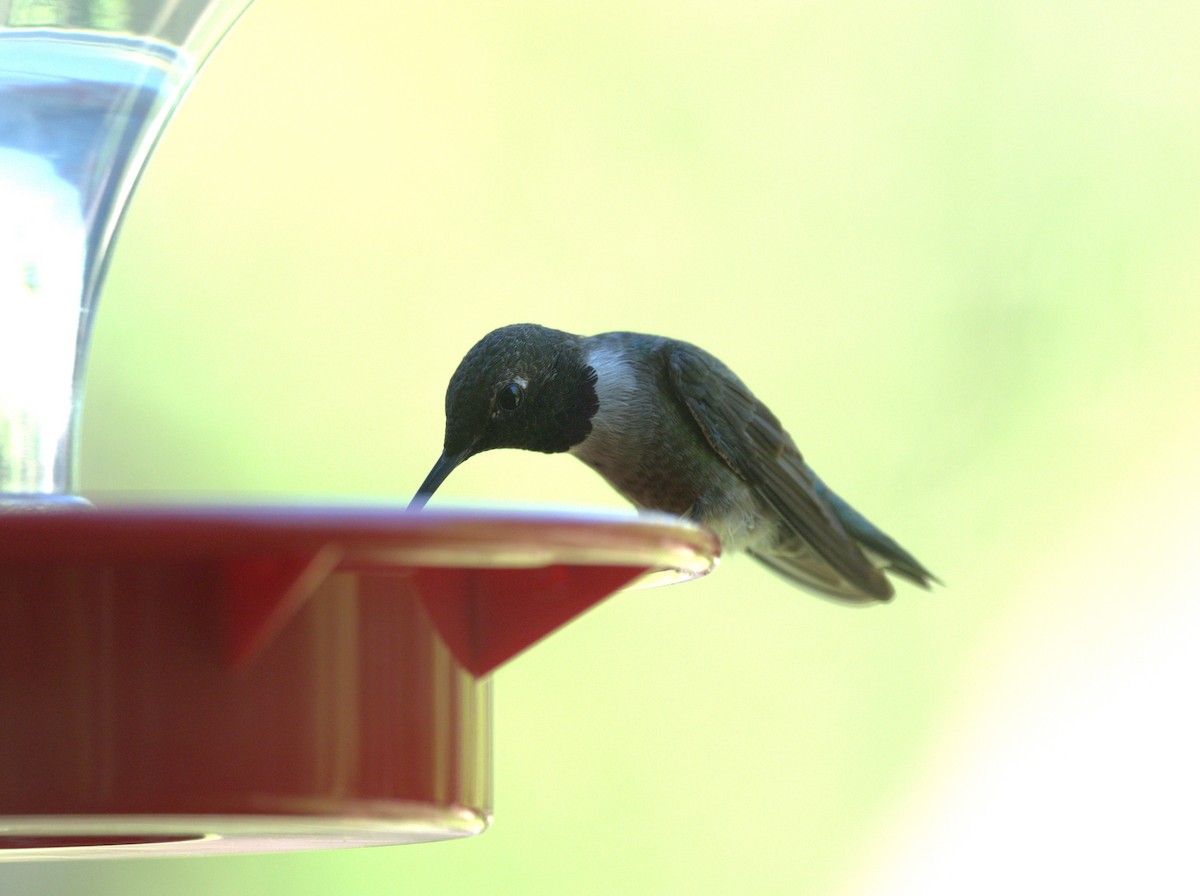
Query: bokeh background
[954, 245]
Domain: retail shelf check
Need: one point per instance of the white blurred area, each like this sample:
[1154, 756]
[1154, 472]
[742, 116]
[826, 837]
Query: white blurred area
[42, 258]
[1073, 767]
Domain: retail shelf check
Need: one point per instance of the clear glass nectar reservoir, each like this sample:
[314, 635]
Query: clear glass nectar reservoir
[84, 94]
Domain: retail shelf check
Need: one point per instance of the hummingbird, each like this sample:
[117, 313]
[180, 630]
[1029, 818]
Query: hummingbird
[672, 429]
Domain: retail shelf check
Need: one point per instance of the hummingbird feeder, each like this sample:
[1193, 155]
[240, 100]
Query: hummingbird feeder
[187, 679]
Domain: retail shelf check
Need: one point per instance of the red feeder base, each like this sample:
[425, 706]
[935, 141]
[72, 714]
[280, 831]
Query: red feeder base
[204, 680]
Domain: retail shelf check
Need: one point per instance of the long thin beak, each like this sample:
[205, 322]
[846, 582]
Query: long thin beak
[444, 467]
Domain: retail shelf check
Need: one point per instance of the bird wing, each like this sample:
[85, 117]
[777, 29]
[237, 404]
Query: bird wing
[749, 438]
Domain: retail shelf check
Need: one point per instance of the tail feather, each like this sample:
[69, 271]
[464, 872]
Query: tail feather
[802, 566]
[880, 547]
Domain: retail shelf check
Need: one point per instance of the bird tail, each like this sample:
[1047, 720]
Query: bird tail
[802, 566]
[880, 547]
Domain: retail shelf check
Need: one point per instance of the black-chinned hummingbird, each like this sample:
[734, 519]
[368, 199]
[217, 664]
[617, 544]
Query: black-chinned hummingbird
[672, 429]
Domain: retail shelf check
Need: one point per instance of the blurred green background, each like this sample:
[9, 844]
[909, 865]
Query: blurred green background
[954, 245]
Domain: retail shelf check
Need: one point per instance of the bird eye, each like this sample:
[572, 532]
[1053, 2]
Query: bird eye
[509, 397]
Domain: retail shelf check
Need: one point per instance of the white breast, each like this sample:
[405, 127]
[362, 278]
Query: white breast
[614, 427]
[625, 428]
